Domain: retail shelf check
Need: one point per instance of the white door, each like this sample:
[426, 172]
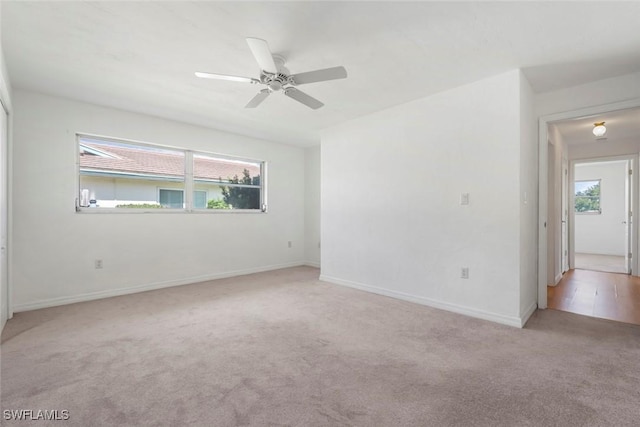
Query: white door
[4, 276]
[627, 220]
[565, 216]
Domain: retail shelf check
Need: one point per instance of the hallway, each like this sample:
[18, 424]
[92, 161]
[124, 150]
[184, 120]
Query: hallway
[597, 294]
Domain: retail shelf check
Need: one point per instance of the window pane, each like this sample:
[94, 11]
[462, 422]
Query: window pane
[243, 198]
[173, 199]
[200, 199]
[116, 174]
[587, 196]
[230, 184]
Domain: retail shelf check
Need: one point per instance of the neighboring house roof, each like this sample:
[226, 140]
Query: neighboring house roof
[141, 161]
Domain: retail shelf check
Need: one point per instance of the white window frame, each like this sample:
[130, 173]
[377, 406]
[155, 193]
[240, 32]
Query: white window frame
[189, 183]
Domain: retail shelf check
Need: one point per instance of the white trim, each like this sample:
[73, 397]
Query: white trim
[187, 192]
[53, 302]
[10, 307]
[467, 311]
[633, 230]
[557, 279]
[524, 317]
[543, 136]
[163, 211]
[312, 264]
[4, 211]
[7, 108]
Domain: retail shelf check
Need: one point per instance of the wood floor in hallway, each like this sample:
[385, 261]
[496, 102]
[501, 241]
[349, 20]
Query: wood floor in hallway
[598, 294]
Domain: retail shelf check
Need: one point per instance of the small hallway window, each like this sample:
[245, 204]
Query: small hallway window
[587, 197]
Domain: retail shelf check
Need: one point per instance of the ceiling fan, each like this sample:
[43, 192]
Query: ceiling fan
[276, 77]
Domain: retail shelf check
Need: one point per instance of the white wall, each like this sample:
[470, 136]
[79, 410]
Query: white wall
[610, 149]
[312, 206]
[596, 93]
[392, 221]
[55, 247]
[603, 234]
[528, 201]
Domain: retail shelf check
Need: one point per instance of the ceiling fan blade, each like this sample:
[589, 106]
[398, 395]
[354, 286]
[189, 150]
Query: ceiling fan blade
[257, 100]
[303, 98]
[226, 77]
[261, 52]
[320, 75]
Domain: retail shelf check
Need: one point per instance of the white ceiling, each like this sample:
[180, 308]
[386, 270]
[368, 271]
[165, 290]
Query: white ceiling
[622, 125]
[140, 56]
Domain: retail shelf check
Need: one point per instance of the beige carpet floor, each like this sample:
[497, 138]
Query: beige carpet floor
[282, 348]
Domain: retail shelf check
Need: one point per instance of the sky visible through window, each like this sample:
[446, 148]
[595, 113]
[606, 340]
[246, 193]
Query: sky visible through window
[584, 185]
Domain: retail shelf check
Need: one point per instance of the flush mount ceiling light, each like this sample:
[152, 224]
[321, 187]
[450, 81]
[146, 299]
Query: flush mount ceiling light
[599, 129]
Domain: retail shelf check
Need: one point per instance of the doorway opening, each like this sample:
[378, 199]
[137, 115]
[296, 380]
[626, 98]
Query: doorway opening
[599, 281]
[622, 139]
[601, 215]
[587, 233]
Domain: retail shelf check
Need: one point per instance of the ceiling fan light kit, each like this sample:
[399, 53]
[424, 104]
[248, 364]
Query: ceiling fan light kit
[276, 77]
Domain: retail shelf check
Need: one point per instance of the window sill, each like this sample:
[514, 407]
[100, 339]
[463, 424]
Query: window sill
[124, 211]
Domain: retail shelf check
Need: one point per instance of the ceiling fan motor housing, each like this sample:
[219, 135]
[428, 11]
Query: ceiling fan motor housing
[275, 82]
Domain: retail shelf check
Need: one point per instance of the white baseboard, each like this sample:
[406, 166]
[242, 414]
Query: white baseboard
[53, 302]
[558, 278]
[599, 253]
[468, 311]
[312, 264]
[524, 318]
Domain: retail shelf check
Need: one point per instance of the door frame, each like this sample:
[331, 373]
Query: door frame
[4, 215]
[632, 162]
[564, 226]
[543, 137]
[7, 107]
[5, 205]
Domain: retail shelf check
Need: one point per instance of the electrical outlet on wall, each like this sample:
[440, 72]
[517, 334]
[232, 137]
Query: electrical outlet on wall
[464, 272]
[97, 264]
[464, 198]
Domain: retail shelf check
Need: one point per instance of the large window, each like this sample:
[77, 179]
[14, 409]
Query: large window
[587, 197]
[121, 175]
